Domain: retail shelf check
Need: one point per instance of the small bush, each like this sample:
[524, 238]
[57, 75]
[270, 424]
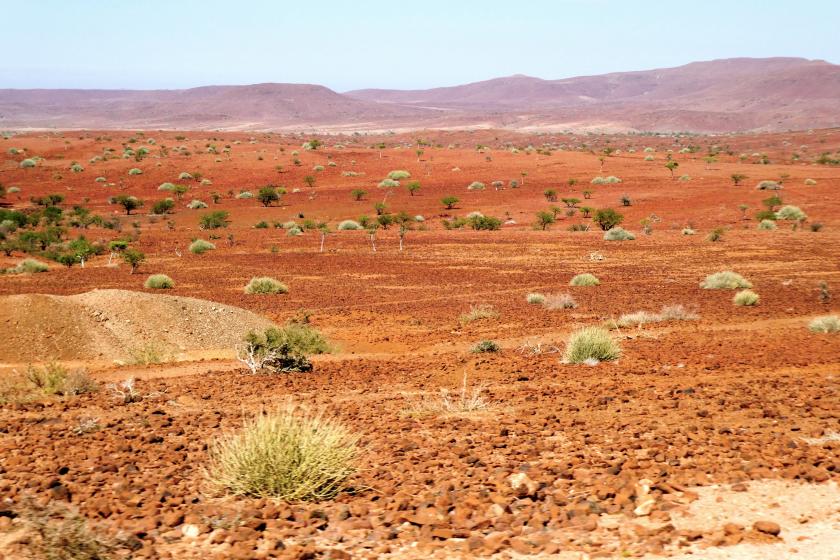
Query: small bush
[688, 231]
[535, 298]
[290, 454]
[478, 312]
[769, 186]
[767, 225]
[265, 285]
[398, 175]
[825, 324]
[349, 225]
[27, 163]
[560, 301]
[135, 171]
[475, 186]
[792, 213]
[815, 227]
[166, 187]
[618, 234]
[245, 195]
[485, 346]
[159, 282]
[196, 205]
[29, 266]
[745, 298]
[200, 246]
[810, 182]
[726, 280]
[585, 279]
[591, 343]
[184, 176]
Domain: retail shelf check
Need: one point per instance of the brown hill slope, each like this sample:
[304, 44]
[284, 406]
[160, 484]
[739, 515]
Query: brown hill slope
[714, 96]
[114, 324]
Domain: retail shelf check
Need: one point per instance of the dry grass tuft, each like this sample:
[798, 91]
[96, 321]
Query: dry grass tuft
[466, 401]
[478, 312]
[290, 453]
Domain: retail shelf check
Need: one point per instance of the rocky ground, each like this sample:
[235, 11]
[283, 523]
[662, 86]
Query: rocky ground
[715, 436]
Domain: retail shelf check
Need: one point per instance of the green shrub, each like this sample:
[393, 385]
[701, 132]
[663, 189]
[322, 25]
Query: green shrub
[485, 346]
[27, 163]
[200, 246]
[746, 298]
[196, 205]
[585, 279]
[388, 183]
[135, 171]
[265, 285]
[289, 454]
[29, 266]
[767, 225]
[245, 195]
[591, 343]
[476, 186]
[607, 218]
[214, 220]
[398, 175]
[535, 298]
[164, 206]
[618, 234]
[166, 187]
[285, 349]
[792, 213]
[825, 324]
[726, 280]
[349, 225]
[184, 176]
[159, 282]
[479, 222]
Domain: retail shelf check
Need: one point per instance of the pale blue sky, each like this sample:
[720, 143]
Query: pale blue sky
[351, 44]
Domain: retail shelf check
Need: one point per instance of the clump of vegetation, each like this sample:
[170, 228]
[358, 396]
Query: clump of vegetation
[591, 345]
[265, 285]
[28, 266]
[282, 350]
[746, 298]
[791, 213]
[135, 171]
[485, 346]
[640, 318]
[810, 182]
[290, 454]
[398, 175]
[214, 220]
[825, 324]
[726, 280]
[159, 282]
[57, 533]
[618, 234]
[478, 312]
[585, 279]
[197, 204]
[535, 298]
[476, 186]
[607, 218]
[27, 163]
[560, 301]
[767, 225]
[200, 246]
[349, 225]
[688, 231]
[54, 379]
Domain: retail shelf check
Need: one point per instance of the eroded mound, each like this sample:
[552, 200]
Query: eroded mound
[115, 325]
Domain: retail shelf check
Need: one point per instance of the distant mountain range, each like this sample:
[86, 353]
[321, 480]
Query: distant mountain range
[738, 94]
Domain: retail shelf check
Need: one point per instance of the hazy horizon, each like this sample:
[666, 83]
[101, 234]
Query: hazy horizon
[162, 45]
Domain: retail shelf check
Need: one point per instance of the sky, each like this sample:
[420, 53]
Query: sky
[353, 44]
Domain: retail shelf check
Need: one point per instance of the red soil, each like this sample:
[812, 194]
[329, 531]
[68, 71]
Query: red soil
[724, 399]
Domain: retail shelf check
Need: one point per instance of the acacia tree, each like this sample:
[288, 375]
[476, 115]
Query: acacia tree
[309, 180]
[607, 218]
[268, 195]
[324, 230]
[134, 258]
[413, 187]
[672, 165]
[737, 178]
[545, 219]
[449, 202]
[129, 203]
